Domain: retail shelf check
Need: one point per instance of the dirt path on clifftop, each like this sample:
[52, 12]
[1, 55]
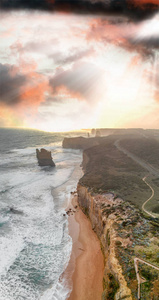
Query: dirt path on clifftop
[136, 260]
[141, 162]
[152, 195]
[146, 166]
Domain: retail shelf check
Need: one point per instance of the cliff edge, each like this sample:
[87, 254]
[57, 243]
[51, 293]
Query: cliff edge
[80, 142]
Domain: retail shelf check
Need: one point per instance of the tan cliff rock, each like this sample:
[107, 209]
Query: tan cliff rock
[104, 228]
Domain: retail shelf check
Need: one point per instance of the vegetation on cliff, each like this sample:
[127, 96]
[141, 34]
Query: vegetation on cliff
[145, 148]
[108, 169]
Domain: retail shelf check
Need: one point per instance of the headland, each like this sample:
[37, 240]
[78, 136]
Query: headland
[113, 195]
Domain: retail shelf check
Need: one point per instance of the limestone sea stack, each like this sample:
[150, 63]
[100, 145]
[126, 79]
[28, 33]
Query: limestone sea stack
[44, 157]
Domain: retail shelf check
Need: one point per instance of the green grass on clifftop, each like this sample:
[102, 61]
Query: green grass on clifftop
[108, 169]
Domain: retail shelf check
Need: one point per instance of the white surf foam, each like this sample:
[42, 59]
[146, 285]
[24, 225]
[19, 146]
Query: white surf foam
[36, 242]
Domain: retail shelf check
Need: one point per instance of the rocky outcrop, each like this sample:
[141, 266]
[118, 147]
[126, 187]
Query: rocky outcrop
[104, 227]
[15, 211]
[80, 142]
[44, 157]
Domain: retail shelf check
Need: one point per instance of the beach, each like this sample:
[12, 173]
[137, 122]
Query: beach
[86, 258]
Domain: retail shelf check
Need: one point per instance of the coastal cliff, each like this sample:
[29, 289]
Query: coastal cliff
[111, 193]
[114, 282]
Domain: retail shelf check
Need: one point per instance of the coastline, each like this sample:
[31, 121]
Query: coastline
[126, 235]
[86, 266]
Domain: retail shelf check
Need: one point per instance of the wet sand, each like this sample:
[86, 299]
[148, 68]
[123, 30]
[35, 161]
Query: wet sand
[86, 259]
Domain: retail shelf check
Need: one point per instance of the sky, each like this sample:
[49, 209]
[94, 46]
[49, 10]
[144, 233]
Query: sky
[63, 70]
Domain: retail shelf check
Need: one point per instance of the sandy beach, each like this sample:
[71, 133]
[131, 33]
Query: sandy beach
[86, 259]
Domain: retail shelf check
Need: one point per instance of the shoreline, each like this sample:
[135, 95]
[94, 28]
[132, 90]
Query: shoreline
[85, 269]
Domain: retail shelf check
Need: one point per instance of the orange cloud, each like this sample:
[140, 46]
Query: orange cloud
[23, 90]
[33, 94]
[143, 4]
[121, 35]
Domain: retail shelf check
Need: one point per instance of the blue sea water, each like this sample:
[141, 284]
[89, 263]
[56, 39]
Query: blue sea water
[35, 246]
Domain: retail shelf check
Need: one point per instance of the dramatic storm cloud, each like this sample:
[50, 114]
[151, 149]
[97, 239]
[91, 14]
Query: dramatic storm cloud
[11, 84]
[16, 88]
[132, 37]
[133, 8]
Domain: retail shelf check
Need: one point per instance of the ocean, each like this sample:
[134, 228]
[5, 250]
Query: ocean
[35, 245]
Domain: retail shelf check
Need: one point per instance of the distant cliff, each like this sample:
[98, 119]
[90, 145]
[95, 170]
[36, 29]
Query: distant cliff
[44, 157]
[80, 142]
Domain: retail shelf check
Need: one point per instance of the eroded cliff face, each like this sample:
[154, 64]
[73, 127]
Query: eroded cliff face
[96, 208]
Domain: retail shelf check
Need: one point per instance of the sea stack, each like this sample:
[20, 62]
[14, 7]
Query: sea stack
[44, 157]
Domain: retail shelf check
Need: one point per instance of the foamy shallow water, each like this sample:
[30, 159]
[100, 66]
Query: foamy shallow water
[35, 246]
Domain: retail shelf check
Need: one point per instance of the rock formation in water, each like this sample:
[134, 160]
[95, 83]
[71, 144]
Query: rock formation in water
[44, 157]
[15, 211]
[80, 142]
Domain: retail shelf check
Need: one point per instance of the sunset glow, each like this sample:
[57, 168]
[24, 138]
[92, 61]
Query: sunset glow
[63, 72]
